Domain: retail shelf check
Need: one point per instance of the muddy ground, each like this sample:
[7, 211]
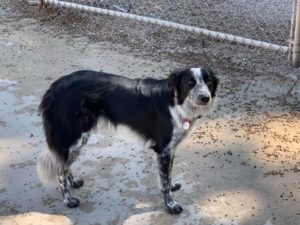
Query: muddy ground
[240, 166]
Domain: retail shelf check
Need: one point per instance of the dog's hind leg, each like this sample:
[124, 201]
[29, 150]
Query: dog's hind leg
[69, 200]
[73, 155]
[175, 187]
[75, 150]
[75, 183]
[67, 175]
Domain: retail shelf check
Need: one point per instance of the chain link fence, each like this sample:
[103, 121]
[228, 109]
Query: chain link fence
[265, 20]
[264, 24]
[253, 23]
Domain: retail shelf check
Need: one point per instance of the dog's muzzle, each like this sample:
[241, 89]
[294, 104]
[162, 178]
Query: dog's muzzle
[202, 100]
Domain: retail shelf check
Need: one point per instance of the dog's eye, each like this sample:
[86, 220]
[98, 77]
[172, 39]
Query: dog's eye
[192, 82]
[208, 82]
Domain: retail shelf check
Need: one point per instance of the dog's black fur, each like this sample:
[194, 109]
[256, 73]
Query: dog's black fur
[74, 103]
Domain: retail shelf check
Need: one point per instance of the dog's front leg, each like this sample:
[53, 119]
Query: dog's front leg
[165, 163]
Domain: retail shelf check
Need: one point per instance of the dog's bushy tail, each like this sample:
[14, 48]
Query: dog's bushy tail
[51, 164]
[46, 109]
[49, 167]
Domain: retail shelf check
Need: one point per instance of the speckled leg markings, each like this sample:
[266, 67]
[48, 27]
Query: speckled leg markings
[74, 153]
[176, 186]
[75, 150]
[75, 183]
[67, 175]
[165, 160]
[69, 201]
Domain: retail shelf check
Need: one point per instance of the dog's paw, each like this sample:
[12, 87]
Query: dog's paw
[173, 207]
[175, 187]
[72, 202]
[77, 183]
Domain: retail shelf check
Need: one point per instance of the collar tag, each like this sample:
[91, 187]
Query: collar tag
[186, 124]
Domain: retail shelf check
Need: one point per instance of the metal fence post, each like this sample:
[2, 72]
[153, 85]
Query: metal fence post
[296, 48]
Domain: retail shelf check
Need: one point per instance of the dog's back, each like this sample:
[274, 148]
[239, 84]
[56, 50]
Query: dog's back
[73, 104]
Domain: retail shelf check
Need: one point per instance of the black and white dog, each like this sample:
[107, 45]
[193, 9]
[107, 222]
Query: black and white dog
[162, 111]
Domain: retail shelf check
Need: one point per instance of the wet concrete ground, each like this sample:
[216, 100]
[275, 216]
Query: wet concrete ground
[240, 166]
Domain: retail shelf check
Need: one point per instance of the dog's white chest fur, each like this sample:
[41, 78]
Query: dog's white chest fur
[182, 126]
[180, 119]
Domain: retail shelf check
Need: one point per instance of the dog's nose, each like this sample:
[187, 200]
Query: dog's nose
[203, 99]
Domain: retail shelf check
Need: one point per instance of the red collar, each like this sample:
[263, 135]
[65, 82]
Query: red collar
[186, 123]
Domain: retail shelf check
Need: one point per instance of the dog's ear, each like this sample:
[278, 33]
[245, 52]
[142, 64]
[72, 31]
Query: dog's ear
[174, 80]
[215, 82]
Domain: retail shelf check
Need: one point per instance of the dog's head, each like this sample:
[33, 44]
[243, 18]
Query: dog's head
[194, 86]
